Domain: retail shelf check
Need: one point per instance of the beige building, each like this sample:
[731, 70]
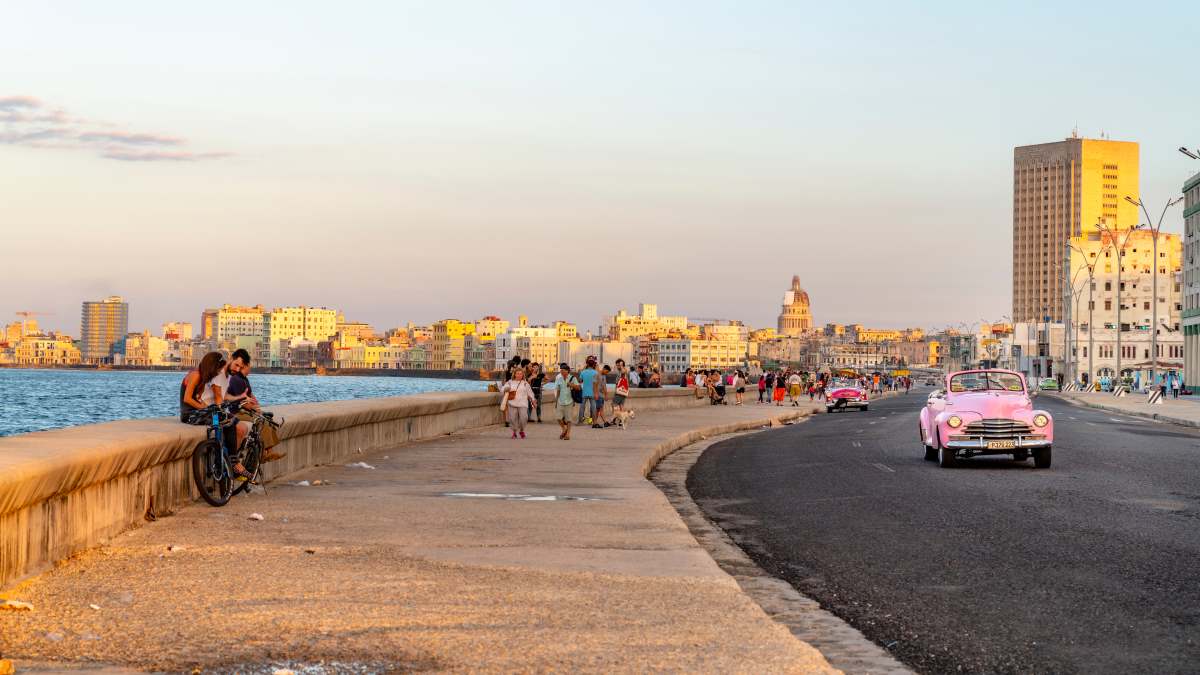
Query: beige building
[144, 349]
[226, 324]
[177, 330]
[489, 327]
[623, 326]
[38, 349]
[1062, 190]
[103, 324]
[449, 344]
[796, 317]
[676, 355]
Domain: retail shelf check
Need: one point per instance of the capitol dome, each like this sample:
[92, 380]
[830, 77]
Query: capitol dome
[796, 317]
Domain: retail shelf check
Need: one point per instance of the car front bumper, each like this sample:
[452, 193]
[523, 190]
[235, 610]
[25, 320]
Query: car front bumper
[980, 444]
[848, 403]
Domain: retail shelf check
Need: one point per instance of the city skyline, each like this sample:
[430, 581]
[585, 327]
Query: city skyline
[333, 161]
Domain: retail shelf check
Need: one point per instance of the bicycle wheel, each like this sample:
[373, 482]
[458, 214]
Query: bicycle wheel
[253, 467]
[210, 472]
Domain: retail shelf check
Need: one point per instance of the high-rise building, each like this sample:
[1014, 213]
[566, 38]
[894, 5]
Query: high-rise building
[1191, 283]
[796, 317]
[102, 328]
[1062, 190]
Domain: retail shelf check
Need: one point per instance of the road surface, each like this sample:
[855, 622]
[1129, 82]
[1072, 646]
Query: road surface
[1092, 565]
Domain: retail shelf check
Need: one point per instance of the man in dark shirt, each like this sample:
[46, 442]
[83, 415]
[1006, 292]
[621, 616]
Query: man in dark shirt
[239, 386]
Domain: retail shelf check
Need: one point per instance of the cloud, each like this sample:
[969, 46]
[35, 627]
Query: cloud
[27, 121]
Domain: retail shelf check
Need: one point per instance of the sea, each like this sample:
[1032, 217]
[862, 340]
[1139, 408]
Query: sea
[36, 400]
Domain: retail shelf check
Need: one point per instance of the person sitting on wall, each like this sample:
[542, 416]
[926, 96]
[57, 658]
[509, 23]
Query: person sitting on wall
[240, 390]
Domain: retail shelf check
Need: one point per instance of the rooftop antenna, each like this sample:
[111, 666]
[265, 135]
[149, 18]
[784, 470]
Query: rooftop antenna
[1075, 131]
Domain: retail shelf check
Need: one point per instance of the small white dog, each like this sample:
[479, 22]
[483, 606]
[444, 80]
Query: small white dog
[623, 417]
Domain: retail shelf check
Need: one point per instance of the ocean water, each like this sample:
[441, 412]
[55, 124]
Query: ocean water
[35, 400]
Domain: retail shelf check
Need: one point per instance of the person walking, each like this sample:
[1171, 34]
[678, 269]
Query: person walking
[794, 381]
[536, 379]
[564, 401]
[1174, 385]
[622, 391]
[587, 384]
[780, 388]
[762, 386]
[739, 386]
[598, 420]
[517, 397]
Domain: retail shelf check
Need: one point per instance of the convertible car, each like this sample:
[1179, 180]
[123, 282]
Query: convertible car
[844, 394]
[985, 412]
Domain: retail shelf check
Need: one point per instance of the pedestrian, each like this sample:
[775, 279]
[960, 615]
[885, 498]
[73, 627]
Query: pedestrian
[762, 386]
[643, 378]
[536, 380]
[1174, 385]
[739, 386]
[564, 386]
[622, 391]
[794, 381]
[587, 385]
[780, 388]
[688, 379]
[635, 379]
[719, 387]
[598, 421]
[516, 397]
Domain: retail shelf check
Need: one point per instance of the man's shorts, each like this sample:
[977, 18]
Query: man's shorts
[599, 404]
[618, 400]
[562, 413]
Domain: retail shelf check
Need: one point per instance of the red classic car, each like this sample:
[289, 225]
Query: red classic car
[985, 412]
[842, 394]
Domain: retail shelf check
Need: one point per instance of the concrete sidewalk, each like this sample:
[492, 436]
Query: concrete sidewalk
[475, 552]
[1174, 411]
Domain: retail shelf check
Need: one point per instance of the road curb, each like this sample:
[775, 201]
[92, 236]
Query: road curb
[1158, 417]
[842, 645]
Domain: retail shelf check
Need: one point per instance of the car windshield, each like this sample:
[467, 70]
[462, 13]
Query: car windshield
[986, 382]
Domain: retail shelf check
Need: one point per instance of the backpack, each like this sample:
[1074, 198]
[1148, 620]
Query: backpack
[576, 394]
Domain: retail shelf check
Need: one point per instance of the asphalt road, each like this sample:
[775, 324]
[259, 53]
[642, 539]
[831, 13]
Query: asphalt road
[1090, 566]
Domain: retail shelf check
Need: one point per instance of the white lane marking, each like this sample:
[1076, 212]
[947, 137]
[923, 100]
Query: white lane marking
[856, 444]
[883, 467]
[1072, 418]
[874, 423]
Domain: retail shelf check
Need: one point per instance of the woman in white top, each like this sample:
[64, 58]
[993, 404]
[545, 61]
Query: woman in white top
[519, 396]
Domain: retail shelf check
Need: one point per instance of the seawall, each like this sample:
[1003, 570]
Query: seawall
[66, 490]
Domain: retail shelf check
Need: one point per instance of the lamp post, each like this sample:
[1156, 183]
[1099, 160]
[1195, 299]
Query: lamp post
[1115, 240]
[1090, 266]
[1154, 229]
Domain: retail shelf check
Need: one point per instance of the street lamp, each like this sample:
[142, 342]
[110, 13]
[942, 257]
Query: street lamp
[1154, 280]
[1091, 271]
[1120, 244]
[1189, 153]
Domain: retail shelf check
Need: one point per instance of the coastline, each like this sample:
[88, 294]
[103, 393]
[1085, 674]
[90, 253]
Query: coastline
[457, 374]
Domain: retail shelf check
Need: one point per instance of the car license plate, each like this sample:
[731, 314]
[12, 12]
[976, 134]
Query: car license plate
[1001, 445]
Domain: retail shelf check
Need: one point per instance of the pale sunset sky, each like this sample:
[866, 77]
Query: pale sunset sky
[413, 161]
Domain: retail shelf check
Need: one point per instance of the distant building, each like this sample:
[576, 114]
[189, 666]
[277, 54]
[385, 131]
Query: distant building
[144, 349]
[1191, 282]
[103, 326]
[177, 330]
[449, 344]
[224, 325]
[46, 350]
[796, 317]
[623, 326]
[1062, 190]
[489, 327]
[676, 355]
[575, 352]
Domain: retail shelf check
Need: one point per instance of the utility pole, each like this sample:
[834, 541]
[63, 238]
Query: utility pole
[1090, 266]
[1154, 281]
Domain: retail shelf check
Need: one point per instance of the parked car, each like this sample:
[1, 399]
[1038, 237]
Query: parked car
[985, 412]
[1048, 384]
[844, 394]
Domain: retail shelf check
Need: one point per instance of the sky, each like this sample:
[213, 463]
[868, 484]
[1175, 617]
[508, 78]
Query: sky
[414, 161]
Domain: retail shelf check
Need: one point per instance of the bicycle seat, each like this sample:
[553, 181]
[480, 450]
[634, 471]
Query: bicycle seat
[269, 415]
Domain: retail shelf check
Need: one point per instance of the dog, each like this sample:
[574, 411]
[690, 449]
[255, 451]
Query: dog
[622, 418]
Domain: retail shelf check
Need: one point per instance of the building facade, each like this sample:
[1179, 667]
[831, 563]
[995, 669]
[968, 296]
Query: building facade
[1062, 190]
[676, 355]
[1191, 283]
[229, 322]
[449, 344]
[144, 349]
[103, 326]
[37, 349]
[795, 319]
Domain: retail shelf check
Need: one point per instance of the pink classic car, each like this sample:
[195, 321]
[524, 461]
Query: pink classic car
[985, 412]
[842, 394]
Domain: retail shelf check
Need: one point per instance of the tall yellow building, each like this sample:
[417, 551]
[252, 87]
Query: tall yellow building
[449, 342]
[1062, 190]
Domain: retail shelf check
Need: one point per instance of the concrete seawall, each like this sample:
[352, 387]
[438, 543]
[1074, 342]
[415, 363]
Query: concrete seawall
[67, 490]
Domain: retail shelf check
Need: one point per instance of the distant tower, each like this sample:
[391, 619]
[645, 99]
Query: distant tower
[796, 318]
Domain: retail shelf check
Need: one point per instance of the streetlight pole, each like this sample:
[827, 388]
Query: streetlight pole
[1114, 235]
[1154, 281]
[1090, 266]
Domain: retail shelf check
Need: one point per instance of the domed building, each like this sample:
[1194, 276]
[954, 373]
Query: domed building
[796, 318]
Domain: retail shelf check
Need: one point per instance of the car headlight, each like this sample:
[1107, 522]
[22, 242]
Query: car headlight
[954, 422]
[1040, 420]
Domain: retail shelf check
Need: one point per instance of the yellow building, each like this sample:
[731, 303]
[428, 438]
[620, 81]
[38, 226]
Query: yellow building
[448, 345]
[46, 350]
[227, 324]
[566, 331]
[371, 357]
[623, 326]
[489, 327]
[308, 323]
[1062, 190]
[144, 349]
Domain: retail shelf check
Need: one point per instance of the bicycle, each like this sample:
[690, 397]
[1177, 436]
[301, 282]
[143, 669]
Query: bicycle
[212, 470]
[253, 449]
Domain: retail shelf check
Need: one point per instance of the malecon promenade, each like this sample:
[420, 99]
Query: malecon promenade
[432, 541]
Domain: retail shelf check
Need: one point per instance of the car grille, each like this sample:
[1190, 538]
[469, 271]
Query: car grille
[997, 429]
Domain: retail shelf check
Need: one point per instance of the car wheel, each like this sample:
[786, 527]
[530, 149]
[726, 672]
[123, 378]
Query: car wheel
[865, 408]
[945, 457]
[931, 455]
[1021, 455]
[1041, 458]
[828, 409]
